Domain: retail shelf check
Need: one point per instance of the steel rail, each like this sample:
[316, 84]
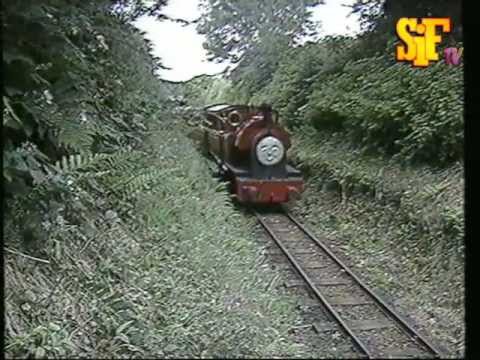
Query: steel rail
[388, 310]
[312, 286]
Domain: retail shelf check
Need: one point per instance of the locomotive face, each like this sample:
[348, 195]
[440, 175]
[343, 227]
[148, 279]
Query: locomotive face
[270, 151]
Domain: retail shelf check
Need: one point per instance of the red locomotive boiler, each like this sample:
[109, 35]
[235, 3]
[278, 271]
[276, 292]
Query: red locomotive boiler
[250, 148]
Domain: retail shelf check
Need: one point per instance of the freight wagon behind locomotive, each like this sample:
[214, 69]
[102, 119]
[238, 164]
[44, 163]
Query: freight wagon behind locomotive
[250, 148]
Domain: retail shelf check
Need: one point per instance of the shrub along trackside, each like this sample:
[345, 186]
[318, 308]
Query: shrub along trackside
[417, 115]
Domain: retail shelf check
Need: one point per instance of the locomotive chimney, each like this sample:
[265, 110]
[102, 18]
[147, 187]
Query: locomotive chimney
[266, 110]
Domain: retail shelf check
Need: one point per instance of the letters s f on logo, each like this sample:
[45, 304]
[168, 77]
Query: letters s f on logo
[420, 49]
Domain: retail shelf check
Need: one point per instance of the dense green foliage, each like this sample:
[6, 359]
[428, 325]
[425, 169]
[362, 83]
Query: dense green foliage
[299, 69]
[73, 89]
[205, 89]
[115, 245]
[69, 85]
[416, 115]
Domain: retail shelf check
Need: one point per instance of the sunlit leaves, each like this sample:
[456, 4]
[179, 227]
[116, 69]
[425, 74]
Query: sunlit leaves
[233, 28]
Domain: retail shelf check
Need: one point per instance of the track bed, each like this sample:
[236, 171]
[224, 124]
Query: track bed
[373, 327]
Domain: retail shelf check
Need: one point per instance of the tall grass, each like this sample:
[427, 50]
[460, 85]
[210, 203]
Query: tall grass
[180, 276]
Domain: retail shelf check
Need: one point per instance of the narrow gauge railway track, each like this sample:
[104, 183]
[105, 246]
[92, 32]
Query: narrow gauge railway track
[375, 329]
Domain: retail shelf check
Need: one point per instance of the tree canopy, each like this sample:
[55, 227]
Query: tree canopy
[234, 28]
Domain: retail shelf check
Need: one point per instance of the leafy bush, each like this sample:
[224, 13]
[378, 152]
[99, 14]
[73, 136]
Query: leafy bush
[72, 85]
[205, 90]
[414, 113]
[288, 89]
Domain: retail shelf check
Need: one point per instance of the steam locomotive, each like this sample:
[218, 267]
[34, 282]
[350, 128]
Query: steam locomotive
[250, 148]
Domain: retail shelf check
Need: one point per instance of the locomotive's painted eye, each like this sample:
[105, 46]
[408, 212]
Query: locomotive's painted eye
[270, 151]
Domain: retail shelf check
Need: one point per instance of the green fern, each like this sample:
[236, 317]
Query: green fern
[75, 136]
[123, 161]
[72, 163]
[136, 183]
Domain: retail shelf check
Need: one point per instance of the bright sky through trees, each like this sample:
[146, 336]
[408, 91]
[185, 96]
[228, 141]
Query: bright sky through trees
[180, 47]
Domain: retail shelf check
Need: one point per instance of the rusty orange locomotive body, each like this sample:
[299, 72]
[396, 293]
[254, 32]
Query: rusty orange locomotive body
[250, 148]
